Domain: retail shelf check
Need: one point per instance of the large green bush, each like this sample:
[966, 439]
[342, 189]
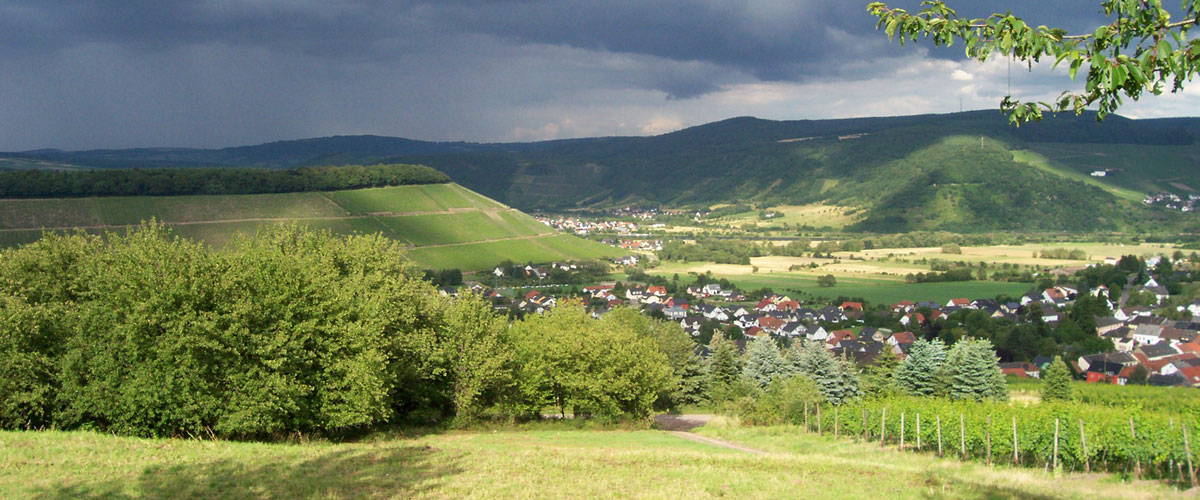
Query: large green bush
[285, 331]
[568, 361]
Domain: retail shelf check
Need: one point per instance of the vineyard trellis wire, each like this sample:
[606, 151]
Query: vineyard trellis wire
[1129, 441]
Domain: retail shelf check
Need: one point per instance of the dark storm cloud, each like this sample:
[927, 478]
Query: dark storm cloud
[769, 39]
[221, 72]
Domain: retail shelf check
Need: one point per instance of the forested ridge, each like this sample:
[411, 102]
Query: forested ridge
[190, 181]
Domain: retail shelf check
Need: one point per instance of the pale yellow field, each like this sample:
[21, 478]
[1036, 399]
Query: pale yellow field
[860, 267]
[778, 268]
[1019, 254]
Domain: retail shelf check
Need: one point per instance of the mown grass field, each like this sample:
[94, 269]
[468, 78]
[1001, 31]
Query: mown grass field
[512, 463]
[447, 225]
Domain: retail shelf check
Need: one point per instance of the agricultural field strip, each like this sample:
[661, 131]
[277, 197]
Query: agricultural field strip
[453, 211]
[444, 212]
[372, 215]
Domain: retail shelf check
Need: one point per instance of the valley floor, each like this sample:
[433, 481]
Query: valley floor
[545, 462]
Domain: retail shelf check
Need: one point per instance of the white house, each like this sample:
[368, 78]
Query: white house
[1147, 334]
[819, 334]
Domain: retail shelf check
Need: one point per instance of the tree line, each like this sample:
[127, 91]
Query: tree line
[292, 330]
[191, 181]
[770, 385]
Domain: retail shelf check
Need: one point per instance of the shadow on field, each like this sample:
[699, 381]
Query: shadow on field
[384, 473]
[942, 488]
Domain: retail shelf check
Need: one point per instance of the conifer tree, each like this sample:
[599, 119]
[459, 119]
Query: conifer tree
[724, 365]
[972, 372]
[836, 380]
[693, 386]
[1057, 385]
[879, 378]
[918, 373]
[764, 363]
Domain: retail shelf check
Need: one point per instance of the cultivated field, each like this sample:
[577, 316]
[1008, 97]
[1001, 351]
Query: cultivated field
[446, 224]
[1023, 255]
[875, 288]
[543, 248]
[813, 214]
[878, 275]
[776, 462]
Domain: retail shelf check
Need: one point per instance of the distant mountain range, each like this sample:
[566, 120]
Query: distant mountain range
[961, 171]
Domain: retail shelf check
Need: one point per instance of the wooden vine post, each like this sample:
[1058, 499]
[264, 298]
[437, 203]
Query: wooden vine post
[835, 422]
[818, 418]
[962, 435]
[806, 416]
[1187, 448]
[901, 431]
[918, 432]
[1016, 453]
[987, 437]
[883, 428]
[939, 426]
[1056, 444]
[864, 426]
[1137, 460]
[1087, 461]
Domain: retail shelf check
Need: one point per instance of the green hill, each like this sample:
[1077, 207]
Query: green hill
[446, 225]
[908, 172]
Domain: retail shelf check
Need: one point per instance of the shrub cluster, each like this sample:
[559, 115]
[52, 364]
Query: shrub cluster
[286, 331]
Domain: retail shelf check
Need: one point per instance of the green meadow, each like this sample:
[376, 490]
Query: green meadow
[541, 461]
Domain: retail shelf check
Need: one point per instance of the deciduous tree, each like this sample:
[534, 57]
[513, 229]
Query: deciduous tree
[1144, 49]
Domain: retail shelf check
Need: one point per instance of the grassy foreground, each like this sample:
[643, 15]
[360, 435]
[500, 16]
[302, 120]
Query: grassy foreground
[515, 464]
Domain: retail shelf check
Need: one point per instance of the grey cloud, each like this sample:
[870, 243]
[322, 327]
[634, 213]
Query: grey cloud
[227, 72]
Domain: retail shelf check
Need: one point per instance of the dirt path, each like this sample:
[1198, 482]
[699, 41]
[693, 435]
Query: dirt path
[675, 422]
[715, 442]
[681, 425]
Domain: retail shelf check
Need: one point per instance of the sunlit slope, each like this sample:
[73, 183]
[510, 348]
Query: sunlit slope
[446, 225]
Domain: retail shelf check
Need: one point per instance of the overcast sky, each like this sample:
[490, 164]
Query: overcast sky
[210, 73]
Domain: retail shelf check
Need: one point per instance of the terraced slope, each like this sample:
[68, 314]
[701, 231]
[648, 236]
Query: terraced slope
[446, 225]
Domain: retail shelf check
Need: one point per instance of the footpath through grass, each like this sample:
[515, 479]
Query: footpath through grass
[514, 464]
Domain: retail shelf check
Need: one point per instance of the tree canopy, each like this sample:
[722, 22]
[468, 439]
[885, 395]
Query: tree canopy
[1144, 49]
